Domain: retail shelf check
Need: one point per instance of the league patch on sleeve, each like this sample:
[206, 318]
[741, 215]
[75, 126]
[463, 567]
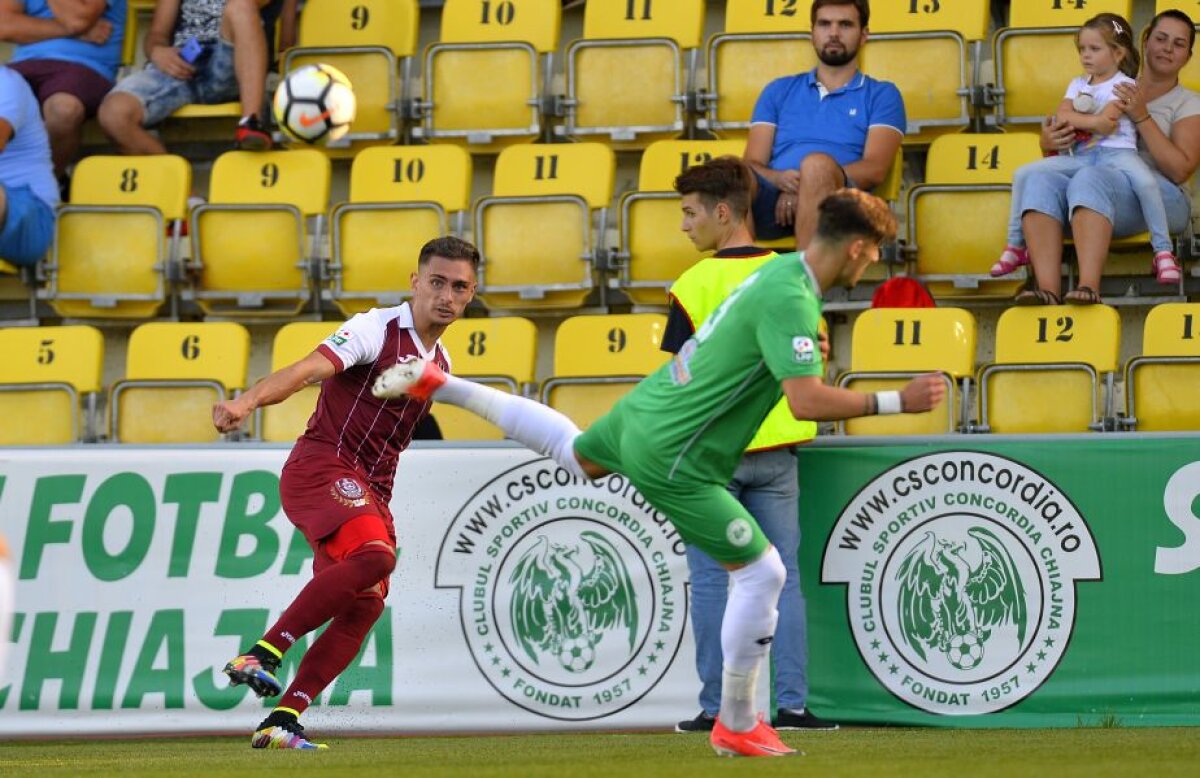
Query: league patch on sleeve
[340, 337]
[803, 349]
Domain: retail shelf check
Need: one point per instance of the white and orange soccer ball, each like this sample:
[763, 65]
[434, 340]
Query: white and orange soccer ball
[315, 104]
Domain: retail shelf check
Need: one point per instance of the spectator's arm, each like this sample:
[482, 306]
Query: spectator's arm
[6, 133]
[1176, 156]
[77, 16]
[289, 20]
[878, 155]
[162, 26]
[16, 26]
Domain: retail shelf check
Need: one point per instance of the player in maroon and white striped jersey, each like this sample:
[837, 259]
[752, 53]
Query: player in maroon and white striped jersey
[337, 482]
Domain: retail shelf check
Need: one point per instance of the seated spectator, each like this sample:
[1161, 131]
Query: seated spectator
[28, 192]
[1106, 138]
[69, 52]
[815, 132]
[199, 51]
[1099, 202]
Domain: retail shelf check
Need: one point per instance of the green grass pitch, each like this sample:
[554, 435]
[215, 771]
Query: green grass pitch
[849, 752]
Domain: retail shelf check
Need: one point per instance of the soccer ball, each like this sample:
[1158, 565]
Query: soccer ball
[576, 654]
[965, 651]
[315, 104]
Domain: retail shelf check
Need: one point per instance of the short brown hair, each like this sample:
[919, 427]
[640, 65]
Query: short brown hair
[853, 213]
[725, 179]
[1177, 15]
[1116, 32]
[863, 6]
[449, 247]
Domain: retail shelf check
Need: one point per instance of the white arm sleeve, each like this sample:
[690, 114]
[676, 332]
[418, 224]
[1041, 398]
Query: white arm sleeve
[359, 340]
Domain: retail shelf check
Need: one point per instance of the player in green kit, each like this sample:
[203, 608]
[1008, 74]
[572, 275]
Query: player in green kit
[680, 433]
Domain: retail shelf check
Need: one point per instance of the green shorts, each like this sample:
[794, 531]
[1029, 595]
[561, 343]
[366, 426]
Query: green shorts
[706, 515]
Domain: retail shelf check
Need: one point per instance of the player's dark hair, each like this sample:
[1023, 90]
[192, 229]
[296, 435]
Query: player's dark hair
[725, 179]
[863, 6]
[1177, 15]
[853, 213]
[449, 247]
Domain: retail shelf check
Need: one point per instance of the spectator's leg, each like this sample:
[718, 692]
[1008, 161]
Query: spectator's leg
[1044, 239]
[3, 207]
[121, 117]
[64, 115]
[242, 25]
[1093, 234]
[820, 176]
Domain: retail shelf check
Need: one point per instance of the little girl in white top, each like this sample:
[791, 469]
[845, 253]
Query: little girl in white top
[1106, 137]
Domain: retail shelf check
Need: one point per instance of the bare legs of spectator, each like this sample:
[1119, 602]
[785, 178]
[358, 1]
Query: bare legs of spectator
[121, 116]
[820, 176]
[1093, 234]
[64, 115]
[242, 25]
[1044, 238]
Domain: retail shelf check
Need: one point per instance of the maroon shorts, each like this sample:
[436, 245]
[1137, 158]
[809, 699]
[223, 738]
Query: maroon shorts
[52, 76]
[320, 493]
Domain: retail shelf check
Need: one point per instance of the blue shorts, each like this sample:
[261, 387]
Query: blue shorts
[763, 210]
[28, 226]
[162, 95]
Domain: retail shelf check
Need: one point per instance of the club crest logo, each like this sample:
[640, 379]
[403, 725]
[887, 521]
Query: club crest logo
[349, 492]
[961, 571]
[571, 592]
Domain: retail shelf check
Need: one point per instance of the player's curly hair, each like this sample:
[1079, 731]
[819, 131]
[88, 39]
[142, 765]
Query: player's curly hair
[449, 247]
[725, 179]
[853, 213]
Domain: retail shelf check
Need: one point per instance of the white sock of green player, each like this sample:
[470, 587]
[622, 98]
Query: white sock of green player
[537, 426]
[746, 634]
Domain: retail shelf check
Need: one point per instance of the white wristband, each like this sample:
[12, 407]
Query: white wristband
[887, 403]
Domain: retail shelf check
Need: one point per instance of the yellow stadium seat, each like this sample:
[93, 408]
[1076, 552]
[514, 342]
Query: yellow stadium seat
[535, 232]
[628, 75]
[498, 352]
[891, 345]
[45, 373]
[116, 247]
[935, 35]
[174, 372]
[1160, 384]
[1047, 371]
[285, 421]
[485, 76]
[373, 43]
[18, 294]
[761, 41]
[597, 359]
[957, 219]
[400, 198]
[1035, 56]
[271, 196]
[654, 251]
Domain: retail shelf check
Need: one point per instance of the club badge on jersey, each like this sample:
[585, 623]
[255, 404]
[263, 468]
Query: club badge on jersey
[350, 493]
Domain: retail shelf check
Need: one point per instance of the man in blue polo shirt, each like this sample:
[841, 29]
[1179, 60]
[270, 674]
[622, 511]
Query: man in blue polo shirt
[28, 193]
[69, 52]
[815, 132]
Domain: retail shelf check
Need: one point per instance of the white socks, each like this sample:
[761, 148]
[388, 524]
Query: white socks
[746, 634]
[537, 426]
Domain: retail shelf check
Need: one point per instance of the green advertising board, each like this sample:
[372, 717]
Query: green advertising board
[1012, 582]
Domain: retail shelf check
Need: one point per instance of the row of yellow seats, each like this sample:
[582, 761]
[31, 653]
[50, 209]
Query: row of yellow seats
[51, 378]
[486, 78]
[1054, 369]
[116, 254]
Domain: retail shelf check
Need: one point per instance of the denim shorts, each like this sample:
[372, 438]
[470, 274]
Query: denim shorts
[162, 95]
[28, 226]
[763, 210]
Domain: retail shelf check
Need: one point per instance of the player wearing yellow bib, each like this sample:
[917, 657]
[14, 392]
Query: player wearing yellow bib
[679, 434]
[716, 207]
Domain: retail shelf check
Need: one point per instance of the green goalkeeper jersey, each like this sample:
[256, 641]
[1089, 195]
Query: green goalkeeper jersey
[696, 414]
